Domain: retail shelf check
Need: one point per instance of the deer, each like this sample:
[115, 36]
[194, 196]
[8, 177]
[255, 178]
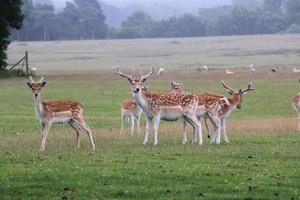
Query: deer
[163, 106]
[216, 108]
[132, 111]
[207, 102]
[223, 111]
[296, 106]
[57, 111]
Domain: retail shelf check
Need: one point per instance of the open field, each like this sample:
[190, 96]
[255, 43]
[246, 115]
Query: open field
[261, 162]
[240, 51]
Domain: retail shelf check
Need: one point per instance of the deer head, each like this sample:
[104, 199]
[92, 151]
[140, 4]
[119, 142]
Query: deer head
[36, 87]
[136, 83]
[176, 87]
[237, 96]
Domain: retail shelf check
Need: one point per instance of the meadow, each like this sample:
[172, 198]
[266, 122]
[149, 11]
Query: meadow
[260, 162]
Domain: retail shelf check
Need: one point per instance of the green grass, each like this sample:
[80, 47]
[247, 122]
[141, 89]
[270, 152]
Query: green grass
[238, 51]
[257, 164]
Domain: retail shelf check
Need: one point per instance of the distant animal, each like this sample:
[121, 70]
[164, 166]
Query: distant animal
[58, 111]
[33, 71]
[273, 70]
[252, 67]
[227, 71]
[204, 67]
[160, 71]
[295, 70]
[132, 111]
[176, 87]
[296, 106]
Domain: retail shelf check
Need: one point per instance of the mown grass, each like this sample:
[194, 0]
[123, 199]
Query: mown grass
[261, 162]
[237, 51]
[255, 166]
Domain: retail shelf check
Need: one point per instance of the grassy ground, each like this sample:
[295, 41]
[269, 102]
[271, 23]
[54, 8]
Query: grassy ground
[266, 50]
[261, 162]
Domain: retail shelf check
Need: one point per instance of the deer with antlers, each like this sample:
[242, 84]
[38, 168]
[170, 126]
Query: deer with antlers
[58, 111]
[219, 115]
[216, 108]
[133, 112]
[165, 106]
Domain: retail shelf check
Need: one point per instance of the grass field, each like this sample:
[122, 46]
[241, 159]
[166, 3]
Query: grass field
[261, 162]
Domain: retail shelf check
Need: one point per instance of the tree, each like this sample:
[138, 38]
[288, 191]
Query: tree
[69, 21]
[293, 11]
[44, 22]
[138, 25]
[92, 19]
[10, 17]
[272, 6]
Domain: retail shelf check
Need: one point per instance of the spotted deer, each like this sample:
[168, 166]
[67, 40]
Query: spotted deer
[218, 115]
[58, 111]
[296, 106]
[207, 102]
[165, 106]
[133, 112]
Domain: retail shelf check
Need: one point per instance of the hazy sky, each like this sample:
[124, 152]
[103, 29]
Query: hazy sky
[123, 3]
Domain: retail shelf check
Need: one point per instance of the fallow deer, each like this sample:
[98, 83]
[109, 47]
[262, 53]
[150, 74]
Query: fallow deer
[296, 106]
[204, 99]
[132, 111]
[218, 116]
[165, 106]
[58, 111]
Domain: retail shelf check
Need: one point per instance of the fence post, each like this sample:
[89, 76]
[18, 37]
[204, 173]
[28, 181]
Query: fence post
[26, 63]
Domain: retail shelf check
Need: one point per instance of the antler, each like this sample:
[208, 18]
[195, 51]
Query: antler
[247, 89]
[227, 87]
[32, 81]
[144, 77]
[42, 79]
[118, 71]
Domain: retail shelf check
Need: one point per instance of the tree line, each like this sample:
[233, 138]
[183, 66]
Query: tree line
[84, 19]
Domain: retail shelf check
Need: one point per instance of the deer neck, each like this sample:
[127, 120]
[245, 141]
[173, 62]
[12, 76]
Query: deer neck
[38, 107]
[142, 101]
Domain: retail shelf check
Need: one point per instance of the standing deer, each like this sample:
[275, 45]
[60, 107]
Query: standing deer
[165, 106]
[219, 115]
[132, 111]
[204, 99]
[59, 111]
[296, 106]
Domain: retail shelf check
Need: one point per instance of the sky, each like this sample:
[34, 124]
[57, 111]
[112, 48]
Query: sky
[124, 3]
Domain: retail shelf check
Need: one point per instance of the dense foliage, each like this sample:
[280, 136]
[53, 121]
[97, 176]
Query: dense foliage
[10, 17]
[84, 19]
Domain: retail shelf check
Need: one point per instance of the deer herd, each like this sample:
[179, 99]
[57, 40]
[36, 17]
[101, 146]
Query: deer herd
[174, 105]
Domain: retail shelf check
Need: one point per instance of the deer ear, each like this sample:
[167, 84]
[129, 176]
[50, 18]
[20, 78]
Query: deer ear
[230, 92]
[43, 83]
[29, 84]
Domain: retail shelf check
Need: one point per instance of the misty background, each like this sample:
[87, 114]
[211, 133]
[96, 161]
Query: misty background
[126, 19]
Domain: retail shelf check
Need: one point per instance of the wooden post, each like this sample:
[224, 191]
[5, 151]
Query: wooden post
[26, 62]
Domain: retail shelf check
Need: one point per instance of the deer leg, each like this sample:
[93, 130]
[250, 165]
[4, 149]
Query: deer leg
[45, 131]
[206, 125]
[138, 122]
[223, 127]
[216, 124]
[81, 123]
[192, 119]
[184, 132]
[77, 129]
[156, 125]
[122, 122]
[186, 118]
[132, 124]
[148, 124]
